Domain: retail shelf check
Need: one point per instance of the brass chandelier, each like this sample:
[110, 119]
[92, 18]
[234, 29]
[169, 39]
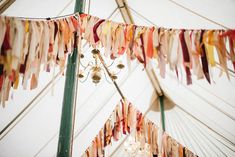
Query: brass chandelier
[95, 68]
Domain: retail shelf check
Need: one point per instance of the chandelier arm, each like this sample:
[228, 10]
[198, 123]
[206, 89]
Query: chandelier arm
[82, 64]
[90, 64]
[118, 72]
[106, 76]
[108, 66]
[82, 81]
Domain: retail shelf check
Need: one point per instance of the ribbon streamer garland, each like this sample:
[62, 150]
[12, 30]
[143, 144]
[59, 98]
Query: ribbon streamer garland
[127, 120]
[27, 45]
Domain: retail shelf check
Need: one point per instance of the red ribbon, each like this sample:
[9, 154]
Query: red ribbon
[105, 144]
[1, 81]
[139, 121]
[232, 54]
[124, 118]
[6, 41]
[96, 38]
[56, 29]
[185, 56]
[204, 59]
[229, 33]
[75, 22]
[142, 47]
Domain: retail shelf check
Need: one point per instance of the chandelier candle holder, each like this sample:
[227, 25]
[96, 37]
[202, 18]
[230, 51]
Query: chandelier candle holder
[95, 69]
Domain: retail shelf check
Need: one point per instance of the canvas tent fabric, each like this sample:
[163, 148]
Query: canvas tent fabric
[96, 102]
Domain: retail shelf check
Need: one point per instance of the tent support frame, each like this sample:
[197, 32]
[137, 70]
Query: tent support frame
[65, 143]
[127, 17]
[110, 75]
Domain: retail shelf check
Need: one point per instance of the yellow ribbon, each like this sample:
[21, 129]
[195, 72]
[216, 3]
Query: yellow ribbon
[208, 41]
[26, 26]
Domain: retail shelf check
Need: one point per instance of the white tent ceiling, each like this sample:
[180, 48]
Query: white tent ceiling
[204, 113]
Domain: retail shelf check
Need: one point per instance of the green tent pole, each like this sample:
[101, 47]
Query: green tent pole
[65, 143]
[161, 99]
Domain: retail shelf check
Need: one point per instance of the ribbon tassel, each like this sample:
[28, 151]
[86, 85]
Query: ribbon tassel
[232, 53]
[204, 59]
[143, 50]
[96, 38]
[186, 57]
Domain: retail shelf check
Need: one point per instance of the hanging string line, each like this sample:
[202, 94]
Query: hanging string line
[195, 13]
[206, 124]
[183, 120]
[206, 89]
[204, 134]
[25, 111]
[175, 127]
[64, 16]
[59, 16]
[186, 136]
[65, 7]
[142, 16]
[228, 140]
[211, 104]
[171, 125]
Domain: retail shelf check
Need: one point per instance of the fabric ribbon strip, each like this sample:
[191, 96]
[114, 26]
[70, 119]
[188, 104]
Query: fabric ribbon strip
[185, 57]
[204, 59]
[142, 47]
[96, 38]
[150, 43]
[231, 35]
[232, 53]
